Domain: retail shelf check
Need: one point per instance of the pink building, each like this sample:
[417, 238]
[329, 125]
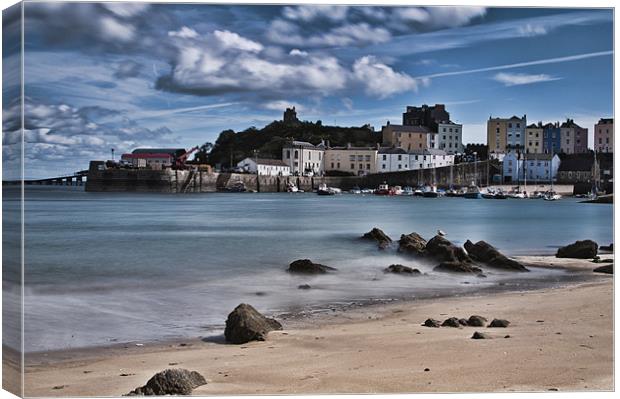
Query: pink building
[604, 135]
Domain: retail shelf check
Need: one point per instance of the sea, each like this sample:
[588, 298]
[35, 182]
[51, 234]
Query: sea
[106, 268]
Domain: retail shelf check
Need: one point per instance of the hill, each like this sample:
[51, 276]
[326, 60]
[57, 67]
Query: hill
[235, 146]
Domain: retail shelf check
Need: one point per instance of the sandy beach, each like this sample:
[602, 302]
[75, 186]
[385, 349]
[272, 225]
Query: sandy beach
[559, 339]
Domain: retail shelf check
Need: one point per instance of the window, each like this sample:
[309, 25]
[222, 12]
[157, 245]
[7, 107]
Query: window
[288, 154]
[360, 157]
[607, 140]
[296, 156]
[368, 166]
[361, 166]
[338, 165]
[351, 157]
[400, 157]
[309, 155]
[444, 136]
[518, 125]
[352, 166]
[332, 165]
[409, 135]
[367, 158]
[497, 130]
[385, 157]
[510, 125]
[383, 166]
[444, 129]
[319, 156]
[421, 166]
[399, 166]
[600, 140]
[416, 157]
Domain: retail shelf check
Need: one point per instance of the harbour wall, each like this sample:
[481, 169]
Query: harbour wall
[196, 181]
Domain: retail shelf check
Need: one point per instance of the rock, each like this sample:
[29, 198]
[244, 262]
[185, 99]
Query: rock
[499, 323]
[607, 269]
[245, 324]
[585, 249]
[171, 382]
[479, 335]
[400, 269]
[609, 247]
[476, 321]
[377, 235]
[304, 287]
[451, 322]
[463, 322]
[484, 252]
[443, 250]
[306, 266]
[432, 323]
[457, 267]
[413, 244]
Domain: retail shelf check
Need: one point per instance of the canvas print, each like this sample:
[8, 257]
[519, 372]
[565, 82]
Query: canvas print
[232, 199]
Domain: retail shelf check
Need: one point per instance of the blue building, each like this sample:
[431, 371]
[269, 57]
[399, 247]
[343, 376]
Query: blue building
[552, 138]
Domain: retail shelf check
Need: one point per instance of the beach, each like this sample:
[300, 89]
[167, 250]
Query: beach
[558, 339]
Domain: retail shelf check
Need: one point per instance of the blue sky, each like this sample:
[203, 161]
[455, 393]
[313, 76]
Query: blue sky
[122, 75]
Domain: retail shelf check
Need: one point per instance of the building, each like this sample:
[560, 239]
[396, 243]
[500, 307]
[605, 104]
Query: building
[155, 160]
[408, 137]
[429, 158]
[449, 137]
[290, 116]
[521, 168]
[534, 139]
[552, 138]
[392, 159]
[574, 138]
[505, 135]
[359, 161]
[428, 116]
[581, 168]
[303, 158]
[265, 167]
[604, 135]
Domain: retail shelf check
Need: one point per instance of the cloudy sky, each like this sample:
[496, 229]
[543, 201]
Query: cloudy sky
[121, 75]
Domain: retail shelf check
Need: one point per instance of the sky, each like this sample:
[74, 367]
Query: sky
[124, 75]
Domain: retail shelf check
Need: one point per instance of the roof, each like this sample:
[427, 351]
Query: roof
[605, 121]
[145, 156]
[538, 157]
[569, 124]
[175, 152]
[392, 150]
[576, 162]
[408, 128]
[374, 148]
[535, 126]
[266, 161]
[304, 144]
[430, 151]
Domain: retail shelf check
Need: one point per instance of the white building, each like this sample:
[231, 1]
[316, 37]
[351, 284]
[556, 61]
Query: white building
[303, 158]
[534, 167]
[265, 167]
[425, 159]
[392, 159]
[449, 137]
[155, 161]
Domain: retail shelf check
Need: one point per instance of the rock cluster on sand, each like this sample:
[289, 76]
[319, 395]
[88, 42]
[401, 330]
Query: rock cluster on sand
[432, 323]
[476, 321]
[457, 267]
[245, 324]
[607, 269]
[377, 235]
[171, 382]
[443, 250]
[413, 244]
[306, 266]
[400, 269]
[499, 323]
[486, 253]
[451, 322]
[586, 249]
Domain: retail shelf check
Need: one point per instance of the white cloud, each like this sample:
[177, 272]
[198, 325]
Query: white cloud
[517, 79]
[439, 17]
[310, 12]
[126, 10]
[380, 79]
[359, 34]
[529, 30]
[184, 33]
[281, 105]
[298, 52]
[233, 40]
[112, 29]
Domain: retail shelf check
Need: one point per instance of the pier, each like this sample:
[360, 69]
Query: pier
[75, 179]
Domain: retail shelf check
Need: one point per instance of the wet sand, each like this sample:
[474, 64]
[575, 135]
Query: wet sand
[560, 338]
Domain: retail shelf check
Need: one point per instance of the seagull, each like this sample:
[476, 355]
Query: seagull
[441, 233]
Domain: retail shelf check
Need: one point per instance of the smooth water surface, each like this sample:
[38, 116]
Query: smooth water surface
[121, 267]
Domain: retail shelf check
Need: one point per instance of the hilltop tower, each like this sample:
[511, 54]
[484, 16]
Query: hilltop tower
[290, 116]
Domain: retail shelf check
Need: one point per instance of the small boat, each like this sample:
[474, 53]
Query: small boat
[367, 191]
[552, 196]
[355, 190]
[291, 188]
[237, 187]
[418, 192]
[407, 190]
[396, 190]
[430, 192]
[324, 190]
[499, 194]
[473, 192]
[488, 195]
[383, 189]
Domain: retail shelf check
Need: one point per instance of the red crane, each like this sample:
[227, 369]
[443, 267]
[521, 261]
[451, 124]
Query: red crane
[179, 162]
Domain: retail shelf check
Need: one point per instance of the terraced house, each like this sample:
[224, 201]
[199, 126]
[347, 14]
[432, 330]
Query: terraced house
[534, 138]
[506, 134]
[355, 160]
[604, 135]
[574, 138]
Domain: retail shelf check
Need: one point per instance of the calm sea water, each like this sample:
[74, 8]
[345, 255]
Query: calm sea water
[103, 268]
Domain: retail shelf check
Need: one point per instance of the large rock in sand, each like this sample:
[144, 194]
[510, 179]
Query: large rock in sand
[586, 249]
[444, 251]
[476, 321]
[499, 323]
[485, 252]
[306, 266]
[413, 244]
[171, 382]
[245, 324]
[377, 235]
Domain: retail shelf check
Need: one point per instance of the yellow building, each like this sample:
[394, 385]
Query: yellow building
[356, 160]
[496, 135]
[534, 138]
[408, 138]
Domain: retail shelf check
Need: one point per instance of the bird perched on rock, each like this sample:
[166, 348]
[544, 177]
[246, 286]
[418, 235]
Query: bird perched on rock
[441, 233]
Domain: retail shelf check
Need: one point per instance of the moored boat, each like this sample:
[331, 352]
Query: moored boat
[473, 192]
[383, 189]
